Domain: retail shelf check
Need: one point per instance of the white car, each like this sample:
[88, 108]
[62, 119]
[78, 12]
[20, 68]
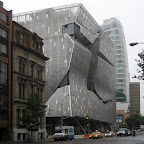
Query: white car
[59, 136]
[109, 134]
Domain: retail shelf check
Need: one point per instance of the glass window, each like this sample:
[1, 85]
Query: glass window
[19, 90]
[23, 91]
[119, 117]
[4, 17]
[4, 34]
[22, 38]
[68, 28]
[3, 91]
[118, 47]
[40, 93]
[3, 49]
[121, 90]
[32, 90]
[115, 31]
[70, 130]
[33, 43]
[3, 73]
[39, 74]
[18, 117]
[22, 66]
[32, 70]
[118, 61]
[118, 52]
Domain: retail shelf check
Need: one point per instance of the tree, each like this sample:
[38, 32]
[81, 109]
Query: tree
[140, 63]
[32, 114]
[134, 121]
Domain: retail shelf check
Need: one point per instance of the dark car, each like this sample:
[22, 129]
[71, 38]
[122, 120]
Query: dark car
[122, 132]
[129, 132]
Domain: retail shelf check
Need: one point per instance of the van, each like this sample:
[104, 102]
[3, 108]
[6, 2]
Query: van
[64, 133]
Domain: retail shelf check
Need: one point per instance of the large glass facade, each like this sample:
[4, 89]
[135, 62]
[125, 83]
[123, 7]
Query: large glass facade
[113, 28]
[80, 73]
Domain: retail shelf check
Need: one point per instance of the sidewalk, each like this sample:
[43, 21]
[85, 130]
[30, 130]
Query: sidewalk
[31, 142]
[49, 139]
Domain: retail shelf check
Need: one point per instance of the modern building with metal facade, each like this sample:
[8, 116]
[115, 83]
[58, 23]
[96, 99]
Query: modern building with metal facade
[114, 29]
[80, 74]
[135, 97]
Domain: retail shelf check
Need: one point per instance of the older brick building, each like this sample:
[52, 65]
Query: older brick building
[121, 116]
[5, 71]
[28, 77]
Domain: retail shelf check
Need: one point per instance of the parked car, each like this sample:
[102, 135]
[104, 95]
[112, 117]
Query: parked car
[96, 135]
[122, 132]
[109, 134]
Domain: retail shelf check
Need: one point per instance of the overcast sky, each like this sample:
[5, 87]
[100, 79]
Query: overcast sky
[129, 12]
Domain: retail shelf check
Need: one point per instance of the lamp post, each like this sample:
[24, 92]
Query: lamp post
[62, 109]
[135, 43]
[69, 95]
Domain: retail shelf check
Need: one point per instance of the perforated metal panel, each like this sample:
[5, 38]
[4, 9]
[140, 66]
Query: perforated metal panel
[80, 73]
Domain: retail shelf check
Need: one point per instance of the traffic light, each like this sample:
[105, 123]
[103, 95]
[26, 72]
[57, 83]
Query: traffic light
[87, 117]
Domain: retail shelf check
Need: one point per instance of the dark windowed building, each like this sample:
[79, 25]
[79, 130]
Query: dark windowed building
[135, 97]
[5, 71]
[80, 74]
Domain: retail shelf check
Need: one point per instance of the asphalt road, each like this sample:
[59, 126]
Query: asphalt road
[138, 139]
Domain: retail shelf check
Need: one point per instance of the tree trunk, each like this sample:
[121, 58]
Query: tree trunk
[31, 135]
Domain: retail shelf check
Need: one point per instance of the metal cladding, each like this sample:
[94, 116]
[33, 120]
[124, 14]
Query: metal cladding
[80, 74]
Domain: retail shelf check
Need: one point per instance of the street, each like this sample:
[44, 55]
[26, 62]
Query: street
[138, 139]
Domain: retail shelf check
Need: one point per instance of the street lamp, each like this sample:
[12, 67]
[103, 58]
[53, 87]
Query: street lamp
[69, 95]
[62, 110]
[135, 43]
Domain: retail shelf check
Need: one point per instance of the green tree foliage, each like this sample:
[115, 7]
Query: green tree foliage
[32, 114]
[134, 121]
[140, 63]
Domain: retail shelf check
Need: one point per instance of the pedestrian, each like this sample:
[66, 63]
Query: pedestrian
[133, 132]
[126, 132]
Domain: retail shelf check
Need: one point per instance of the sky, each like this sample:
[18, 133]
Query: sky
[129, 12]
